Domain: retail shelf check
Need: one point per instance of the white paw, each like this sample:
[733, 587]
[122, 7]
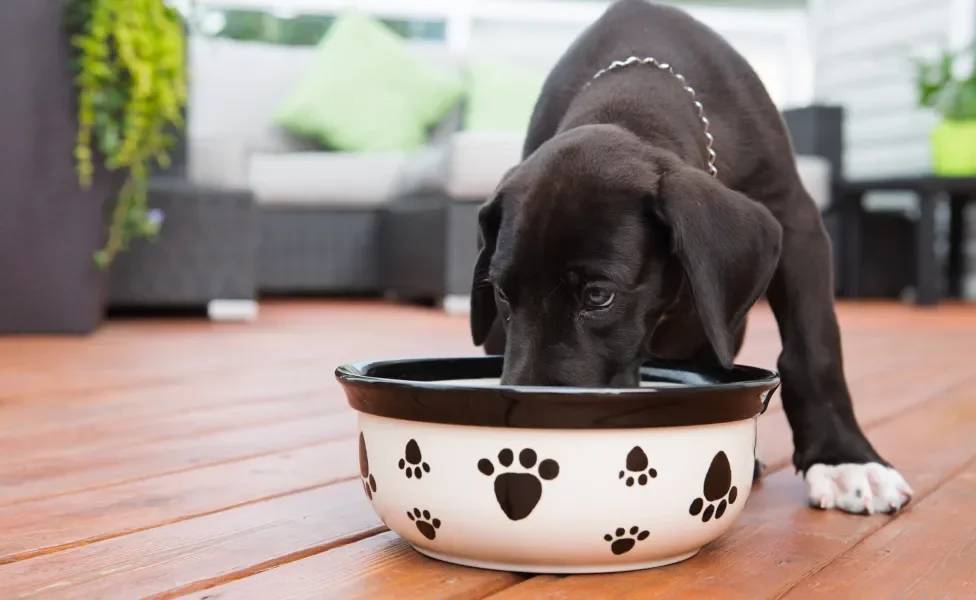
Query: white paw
[869, 488]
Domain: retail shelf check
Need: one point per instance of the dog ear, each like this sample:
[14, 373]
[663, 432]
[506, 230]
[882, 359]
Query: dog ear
[483, 308]
[728, 245]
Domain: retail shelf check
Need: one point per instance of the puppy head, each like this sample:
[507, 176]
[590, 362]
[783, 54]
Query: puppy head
[587, 243]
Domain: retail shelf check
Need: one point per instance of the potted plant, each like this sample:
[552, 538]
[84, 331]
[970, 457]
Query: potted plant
[98, 85]
[954, 98]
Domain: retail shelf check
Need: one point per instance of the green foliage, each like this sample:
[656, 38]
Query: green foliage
[131, 85]
[954, 98]
[252, 25]
[307, 30]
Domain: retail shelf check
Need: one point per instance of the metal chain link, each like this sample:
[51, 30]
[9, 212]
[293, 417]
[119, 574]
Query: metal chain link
[633, 60]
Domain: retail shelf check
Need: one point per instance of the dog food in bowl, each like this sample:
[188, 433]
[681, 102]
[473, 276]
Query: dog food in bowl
[555, 479]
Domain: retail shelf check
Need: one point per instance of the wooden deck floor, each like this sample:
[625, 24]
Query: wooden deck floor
[187, 459]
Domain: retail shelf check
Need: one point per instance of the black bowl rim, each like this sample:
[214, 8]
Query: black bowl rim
[709, 395]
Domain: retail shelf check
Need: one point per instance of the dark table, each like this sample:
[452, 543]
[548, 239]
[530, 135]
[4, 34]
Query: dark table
[928, 271]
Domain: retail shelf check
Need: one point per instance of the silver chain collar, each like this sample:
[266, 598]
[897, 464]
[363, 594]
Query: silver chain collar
[633, 60]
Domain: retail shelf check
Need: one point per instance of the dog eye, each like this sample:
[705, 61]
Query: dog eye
[597, 297]
[501, 295]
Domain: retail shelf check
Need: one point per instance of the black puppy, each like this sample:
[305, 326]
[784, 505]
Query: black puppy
[621, 237]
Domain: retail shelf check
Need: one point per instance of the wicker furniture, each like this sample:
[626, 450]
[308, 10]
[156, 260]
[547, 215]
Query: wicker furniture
[205, 254]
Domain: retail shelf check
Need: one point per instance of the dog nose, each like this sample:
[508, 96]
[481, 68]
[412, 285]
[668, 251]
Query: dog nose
[521, 372]
[528, 375]
[534, 381]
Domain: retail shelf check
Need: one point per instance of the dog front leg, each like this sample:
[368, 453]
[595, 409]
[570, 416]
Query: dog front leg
[840, 467]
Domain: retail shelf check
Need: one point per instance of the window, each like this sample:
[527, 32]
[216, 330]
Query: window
[298, 29]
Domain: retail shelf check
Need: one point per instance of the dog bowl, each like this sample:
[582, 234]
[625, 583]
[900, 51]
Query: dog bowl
[555, 479]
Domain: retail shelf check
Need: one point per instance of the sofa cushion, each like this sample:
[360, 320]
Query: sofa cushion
[816, 176]
[500, 96]
[367, 92]
[424, 172]
[477, 160]
[219, 162]
[325, 178]
[238, 86]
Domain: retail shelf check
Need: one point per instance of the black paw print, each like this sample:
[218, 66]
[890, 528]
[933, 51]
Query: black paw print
[636, 468]
[519, 493]
[425, 525]
[718, 485]
[369, 482]
[623, 541]
[412, 462]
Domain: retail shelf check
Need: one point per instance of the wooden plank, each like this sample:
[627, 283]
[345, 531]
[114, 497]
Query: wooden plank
[122, 432]
[778, 540]
[873, 355]
[896, 377]
[106, 466]
[198, 553]
[929, 552]
[34, 528]
[379, 567]
[875, 400]
[261, 384]
[119, 357]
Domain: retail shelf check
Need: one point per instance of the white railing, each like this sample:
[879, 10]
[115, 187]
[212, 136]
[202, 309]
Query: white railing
[776, 41]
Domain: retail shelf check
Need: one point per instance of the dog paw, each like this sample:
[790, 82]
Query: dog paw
[857, 488]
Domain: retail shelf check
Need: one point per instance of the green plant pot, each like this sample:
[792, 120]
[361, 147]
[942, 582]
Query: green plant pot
[954, 149]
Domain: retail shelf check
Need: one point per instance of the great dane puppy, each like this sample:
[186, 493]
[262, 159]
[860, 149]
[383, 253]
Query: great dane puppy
[657, 200]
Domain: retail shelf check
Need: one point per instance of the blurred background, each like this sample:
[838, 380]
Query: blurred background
[341, 148]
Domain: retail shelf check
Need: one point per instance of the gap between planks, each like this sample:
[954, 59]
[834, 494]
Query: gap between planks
[94, 516]
[126, 433]
[116, 466]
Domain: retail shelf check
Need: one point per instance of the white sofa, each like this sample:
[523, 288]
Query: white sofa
[320, 210]
[402, 223]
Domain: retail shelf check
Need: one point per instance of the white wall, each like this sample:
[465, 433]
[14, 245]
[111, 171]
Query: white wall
[863, 51]
[862, 60]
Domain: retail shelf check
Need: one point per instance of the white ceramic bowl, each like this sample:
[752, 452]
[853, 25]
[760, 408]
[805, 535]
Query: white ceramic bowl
[555, 480]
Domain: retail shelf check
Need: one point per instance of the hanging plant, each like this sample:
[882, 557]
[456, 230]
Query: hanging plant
[131, 85]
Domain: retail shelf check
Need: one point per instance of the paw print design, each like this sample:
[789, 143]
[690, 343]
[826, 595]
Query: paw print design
[636, 468]
[425, 525]
[519, 493]
[623, 541]
[412, 462]
[717, 486]
[369, 482]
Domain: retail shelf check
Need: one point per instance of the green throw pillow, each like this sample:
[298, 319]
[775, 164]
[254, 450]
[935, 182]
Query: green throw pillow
[366, 91]
[500, 97]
